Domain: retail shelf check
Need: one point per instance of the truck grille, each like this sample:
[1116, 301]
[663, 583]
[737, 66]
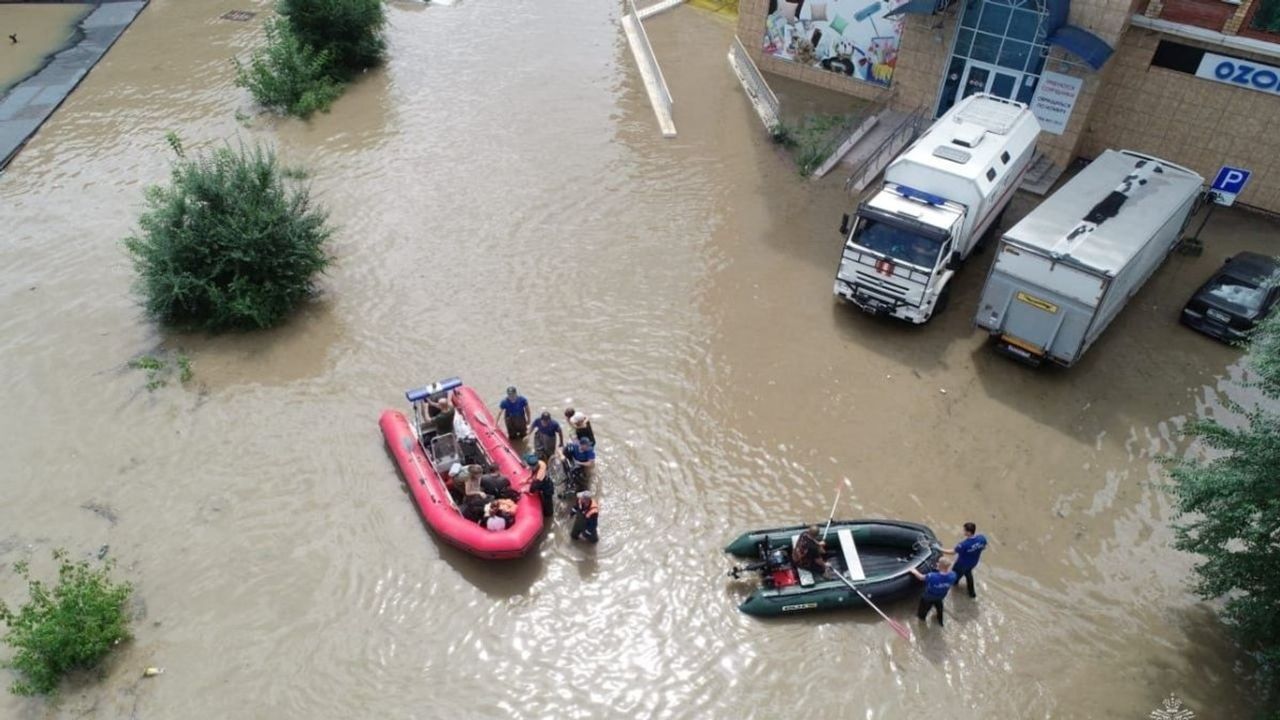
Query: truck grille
[878, 282]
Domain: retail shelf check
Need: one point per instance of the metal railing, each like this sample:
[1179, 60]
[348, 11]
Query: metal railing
[753, 82]
[907, 129]
[654, 82]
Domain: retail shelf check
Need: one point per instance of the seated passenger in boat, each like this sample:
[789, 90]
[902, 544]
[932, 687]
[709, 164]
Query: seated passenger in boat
[473, 508]
[808, 551]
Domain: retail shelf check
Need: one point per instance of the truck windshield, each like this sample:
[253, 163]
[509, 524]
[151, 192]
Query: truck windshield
[899, 243]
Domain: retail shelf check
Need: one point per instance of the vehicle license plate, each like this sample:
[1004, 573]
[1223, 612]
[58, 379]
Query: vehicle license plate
[1219, 315]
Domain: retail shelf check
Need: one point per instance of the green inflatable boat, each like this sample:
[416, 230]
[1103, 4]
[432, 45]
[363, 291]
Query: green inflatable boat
[875, 555]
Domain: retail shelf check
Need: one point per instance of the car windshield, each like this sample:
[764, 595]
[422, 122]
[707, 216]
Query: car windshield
[899, 243]
[1237, 293]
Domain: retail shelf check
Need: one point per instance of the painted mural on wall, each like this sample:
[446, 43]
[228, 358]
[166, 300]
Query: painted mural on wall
[849, 37]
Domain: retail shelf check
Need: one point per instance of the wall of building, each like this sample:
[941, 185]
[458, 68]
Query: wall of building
[1187, 120]
[925, 52]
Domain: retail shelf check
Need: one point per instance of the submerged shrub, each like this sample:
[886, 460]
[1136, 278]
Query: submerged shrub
[348, 31]
[288, 76]
[71, 626]
[227, 245]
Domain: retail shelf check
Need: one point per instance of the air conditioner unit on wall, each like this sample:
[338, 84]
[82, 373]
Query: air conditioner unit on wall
[1231, 2]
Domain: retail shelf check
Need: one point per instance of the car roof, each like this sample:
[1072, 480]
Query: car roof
[1254, 267]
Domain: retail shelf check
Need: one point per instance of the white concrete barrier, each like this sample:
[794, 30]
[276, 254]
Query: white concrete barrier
[654, 83]
[645, 13]
[758, 92]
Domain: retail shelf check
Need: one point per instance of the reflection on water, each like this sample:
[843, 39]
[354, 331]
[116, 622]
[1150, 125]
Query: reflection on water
[508, 213]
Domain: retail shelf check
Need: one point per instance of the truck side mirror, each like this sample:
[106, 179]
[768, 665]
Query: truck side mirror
[844, 225]
[953, 262]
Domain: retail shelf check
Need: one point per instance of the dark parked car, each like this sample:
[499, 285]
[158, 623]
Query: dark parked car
[1236, 298]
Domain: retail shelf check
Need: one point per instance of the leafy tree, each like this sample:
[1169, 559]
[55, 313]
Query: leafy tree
[227, 244]
[71, 626]
[287, 76]
[350, 31]
[1230, 513]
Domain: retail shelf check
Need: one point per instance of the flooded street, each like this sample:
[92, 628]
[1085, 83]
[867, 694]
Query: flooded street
[508, 212]
[40, 29]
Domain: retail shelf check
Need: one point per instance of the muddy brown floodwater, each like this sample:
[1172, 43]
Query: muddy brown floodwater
[509, 213]
[41, 30]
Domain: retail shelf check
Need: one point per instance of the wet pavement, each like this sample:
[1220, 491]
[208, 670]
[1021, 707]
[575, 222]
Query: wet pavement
[509, 212]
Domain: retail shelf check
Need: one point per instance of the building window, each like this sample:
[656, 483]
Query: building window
[991, 174]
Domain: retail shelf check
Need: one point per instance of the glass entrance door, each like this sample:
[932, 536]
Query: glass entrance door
[980, 77]
[999, 48]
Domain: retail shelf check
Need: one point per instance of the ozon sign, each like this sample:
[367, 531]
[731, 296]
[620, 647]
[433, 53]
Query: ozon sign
[1242, 73]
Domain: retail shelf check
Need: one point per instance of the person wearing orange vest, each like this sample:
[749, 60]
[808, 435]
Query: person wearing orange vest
[586, 518]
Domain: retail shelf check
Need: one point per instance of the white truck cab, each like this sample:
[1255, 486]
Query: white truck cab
[938, 199]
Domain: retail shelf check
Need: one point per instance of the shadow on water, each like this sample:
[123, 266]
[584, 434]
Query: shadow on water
[499, 579]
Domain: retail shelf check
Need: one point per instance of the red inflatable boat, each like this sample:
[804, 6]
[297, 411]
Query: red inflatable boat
[425, 457]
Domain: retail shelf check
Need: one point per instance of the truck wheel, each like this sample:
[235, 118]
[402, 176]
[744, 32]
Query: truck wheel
[944, 299]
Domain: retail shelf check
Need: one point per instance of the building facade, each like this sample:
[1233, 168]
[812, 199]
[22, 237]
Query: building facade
[1196, 82]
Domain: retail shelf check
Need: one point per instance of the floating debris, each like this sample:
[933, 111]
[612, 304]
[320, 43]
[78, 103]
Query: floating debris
[238, 15]
[152, 672]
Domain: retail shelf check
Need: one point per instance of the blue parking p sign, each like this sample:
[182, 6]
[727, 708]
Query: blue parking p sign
[1229, 183]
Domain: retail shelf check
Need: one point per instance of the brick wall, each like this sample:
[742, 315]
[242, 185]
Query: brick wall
[1186, 120]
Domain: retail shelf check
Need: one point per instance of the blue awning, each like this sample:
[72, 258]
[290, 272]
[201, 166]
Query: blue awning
[920, 7]
[1080, 42]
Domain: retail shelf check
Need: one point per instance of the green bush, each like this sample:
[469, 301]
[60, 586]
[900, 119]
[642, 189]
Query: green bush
[349, 31]
[71, 626]
[1229, 513]
[287, 76]
[227, 245]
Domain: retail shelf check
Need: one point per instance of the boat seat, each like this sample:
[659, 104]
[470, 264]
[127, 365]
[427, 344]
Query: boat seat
[444, 452]
[851, 561]
[806, 577]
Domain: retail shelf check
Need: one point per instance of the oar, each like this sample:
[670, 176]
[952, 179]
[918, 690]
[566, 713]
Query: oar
[897, 626]
[833, 510]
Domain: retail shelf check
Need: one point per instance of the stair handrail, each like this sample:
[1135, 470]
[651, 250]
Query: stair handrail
[909, 125]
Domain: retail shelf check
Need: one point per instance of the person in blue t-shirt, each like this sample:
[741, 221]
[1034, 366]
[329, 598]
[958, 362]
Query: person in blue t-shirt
[579, 461]
[936, 585]
[968, 552]
[515, 410]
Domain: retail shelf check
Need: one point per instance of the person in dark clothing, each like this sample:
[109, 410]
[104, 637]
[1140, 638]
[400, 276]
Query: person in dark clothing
[515, 410]
[936, 585]
[541, 483]
[443, 415]
[968, 552]
[496, 485]
[547, 436]
[586, 518]
[808, 551]
[473, 507]
[582, 427]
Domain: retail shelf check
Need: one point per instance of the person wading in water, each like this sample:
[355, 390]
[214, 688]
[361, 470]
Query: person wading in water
[936, 585]
[968, 552]
[515, 410]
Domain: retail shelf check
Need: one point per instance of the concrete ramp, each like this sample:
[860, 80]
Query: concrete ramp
[654, 83]
[892, 132]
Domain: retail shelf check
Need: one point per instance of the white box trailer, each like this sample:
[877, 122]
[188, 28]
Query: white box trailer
[1064, 272]
[938, 199]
